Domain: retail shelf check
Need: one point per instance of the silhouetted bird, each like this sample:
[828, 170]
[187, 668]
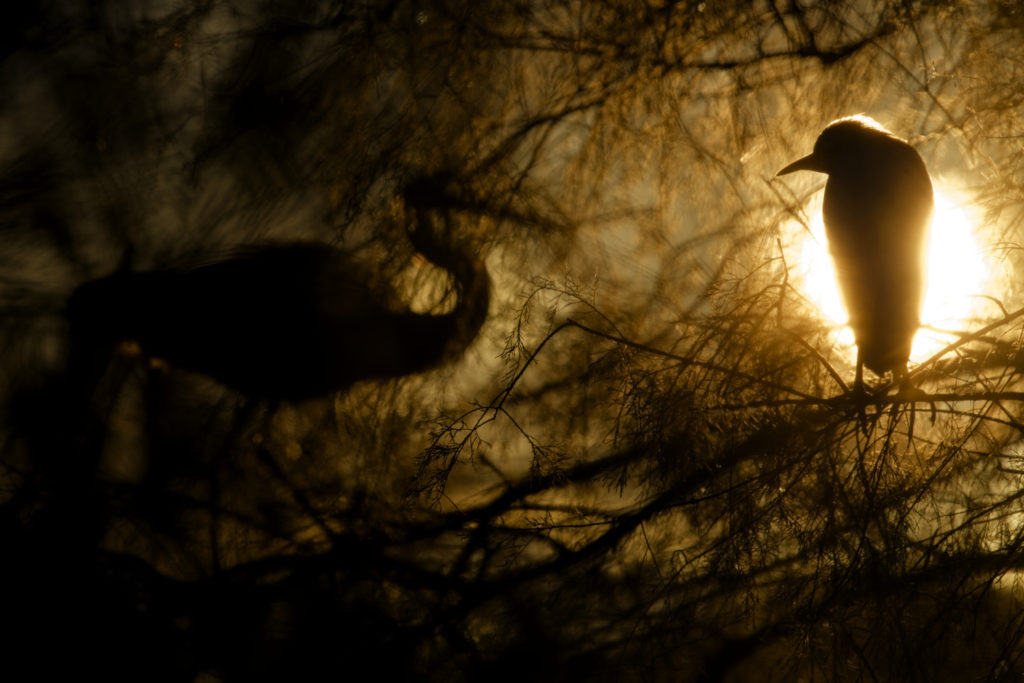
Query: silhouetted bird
[290, 321]
[878, 206]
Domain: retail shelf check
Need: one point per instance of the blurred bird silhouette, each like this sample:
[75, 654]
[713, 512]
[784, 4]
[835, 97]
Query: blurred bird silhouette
[878, 206]
[288, 321]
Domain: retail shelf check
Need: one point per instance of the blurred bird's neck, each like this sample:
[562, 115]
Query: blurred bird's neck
[471, 282]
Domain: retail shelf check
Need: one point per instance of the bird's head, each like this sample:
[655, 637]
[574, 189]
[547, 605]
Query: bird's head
[843, 140]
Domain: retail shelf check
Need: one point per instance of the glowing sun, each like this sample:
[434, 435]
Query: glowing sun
[957, 274]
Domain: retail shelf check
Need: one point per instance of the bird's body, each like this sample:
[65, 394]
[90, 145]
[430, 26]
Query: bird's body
[289, 321]
[877, 210]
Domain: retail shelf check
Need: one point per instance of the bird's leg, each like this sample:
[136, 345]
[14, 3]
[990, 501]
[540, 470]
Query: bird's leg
[910, 393]
[902, 377]
[906, 390]
[860, 396]
[858, 381]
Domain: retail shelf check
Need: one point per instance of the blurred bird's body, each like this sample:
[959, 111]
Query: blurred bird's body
[877, 210]
[289, 322]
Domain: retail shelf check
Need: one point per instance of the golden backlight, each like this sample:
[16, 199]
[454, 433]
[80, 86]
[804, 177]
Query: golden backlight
[957, 276]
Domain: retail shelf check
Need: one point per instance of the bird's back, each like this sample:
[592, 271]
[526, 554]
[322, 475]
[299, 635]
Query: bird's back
[289, 321]
[282, 320]
[878, 205]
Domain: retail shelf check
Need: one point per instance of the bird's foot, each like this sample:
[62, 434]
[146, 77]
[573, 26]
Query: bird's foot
[860, 396]
[908, 393]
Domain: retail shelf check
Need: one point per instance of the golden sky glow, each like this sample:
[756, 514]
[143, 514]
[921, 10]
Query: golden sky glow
[959, 274]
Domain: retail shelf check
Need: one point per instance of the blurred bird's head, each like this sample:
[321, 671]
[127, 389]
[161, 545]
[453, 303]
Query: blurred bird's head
[843, 140]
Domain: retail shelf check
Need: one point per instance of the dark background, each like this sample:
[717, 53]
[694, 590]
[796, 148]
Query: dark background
[646, 466]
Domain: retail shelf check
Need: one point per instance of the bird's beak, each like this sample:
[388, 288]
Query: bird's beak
[808, 163]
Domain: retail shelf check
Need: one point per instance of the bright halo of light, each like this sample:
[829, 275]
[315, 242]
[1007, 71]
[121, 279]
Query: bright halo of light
[957, 275]
[956, 270]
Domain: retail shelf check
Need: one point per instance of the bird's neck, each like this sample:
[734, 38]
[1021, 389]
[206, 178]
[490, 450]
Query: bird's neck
[472, 287]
